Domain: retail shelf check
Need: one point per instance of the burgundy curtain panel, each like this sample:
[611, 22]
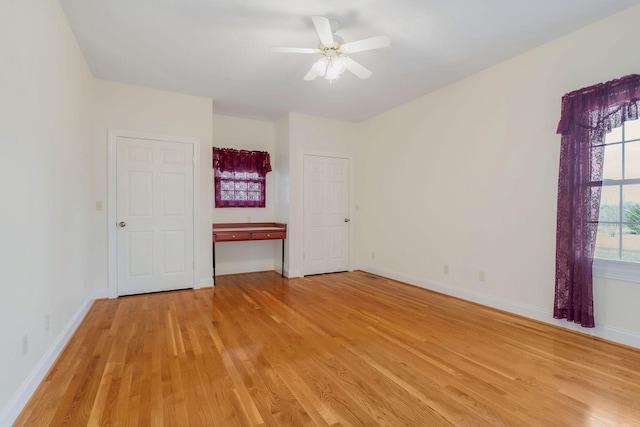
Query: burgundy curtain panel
[587, 116]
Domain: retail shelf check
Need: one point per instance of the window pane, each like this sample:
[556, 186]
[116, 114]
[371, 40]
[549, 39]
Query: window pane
[607, 242]
[610, 203]
[632, 215]
[631, 160]
[632, 130]
[630, 247]
[614, 136]
[631, 199]
[612, 162]
[630, 195]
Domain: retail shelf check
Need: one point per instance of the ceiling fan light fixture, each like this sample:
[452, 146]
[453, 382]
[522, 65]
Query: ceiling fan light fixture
[334, 69]
[320, 66]
[335, 53]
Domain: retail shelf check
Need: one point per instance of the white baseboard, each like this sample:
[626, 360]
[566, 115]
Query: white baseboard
[204, 283]
[14, 406]
[620, 336]
[243, 267]
[291, 274]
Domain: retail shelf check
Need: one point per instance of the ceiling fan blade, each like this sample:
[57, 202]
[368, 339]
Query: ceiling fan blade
[294, 50]
[366, 44]
[311, 75]
[323, 27]
[356, 68]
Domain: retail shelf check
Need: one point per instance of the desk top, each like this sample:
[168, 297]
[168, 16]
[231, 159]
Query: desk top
[221, 227]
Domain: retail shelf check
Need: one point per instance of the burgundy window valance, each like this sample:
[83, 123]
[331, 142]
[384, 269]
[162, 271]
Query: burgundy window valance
[231, 160]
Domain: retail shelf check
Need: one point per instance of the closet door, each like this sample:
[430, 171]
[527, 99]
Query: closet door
[326, 214]
[154, 215]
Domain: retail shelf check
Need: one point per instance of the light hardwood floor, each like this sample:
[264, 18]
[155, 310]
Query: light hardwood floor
[339, 349]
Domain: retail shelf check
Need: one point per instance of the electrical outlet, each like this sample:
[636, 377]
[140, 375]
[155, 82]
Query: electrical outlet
[25, 345]
[373, 255]
[46, 323]
[99, 205]
[446, 269]
[481, 276]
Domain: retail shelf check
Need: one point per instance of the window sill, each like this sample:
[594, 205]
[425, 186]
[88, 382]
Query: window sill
[618, 270]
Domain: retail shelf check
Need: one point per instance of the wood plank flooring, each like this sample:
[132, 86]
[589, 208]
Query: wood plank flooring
[339, 349]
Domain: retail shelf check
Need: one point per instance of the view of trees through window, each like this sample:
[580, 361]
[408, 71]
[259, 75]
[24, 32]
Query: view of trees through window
[619, 222]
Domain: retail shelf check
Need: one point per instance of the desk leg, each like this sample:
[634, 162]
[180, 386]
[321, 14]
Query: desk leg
[282, 270]
[213, 252]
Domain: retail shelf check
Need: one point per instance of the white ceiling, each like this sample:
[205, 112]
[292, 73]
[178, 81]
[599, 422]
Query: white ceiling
[220, 49]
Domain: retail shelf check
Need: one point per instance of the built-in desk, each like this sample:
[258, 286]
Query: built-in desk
[242, 231]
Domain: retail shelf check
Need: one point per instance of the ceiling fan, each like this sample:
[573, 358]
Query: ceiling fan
[334, 54]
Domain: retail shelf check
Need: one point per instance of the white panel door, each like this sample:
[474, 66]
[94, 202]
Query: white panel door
[154, 211]
[326, 214]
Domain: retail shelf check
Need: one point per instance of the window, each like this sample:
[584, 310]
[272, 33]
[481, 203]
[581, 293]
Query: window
[617, 253]
[240, 177]
[242, 189]
[619, 220]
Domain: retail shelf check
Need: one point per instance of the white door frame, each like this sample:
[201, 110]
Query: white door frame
[112, 136]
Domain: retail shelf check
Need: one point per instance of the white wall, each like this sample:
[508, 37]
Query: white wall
[240, 257]
[133, 108]
[283, 175]
[467, 177]
[316, 136]
[46, 183]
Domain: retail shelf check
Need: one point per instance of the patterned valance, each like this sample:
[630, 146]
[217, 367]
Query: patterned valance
[231, 160]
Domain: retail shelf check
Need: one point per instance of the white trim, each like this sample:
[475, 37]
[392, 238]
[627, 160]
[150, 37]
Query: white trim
[618, 270]
[605, 332]
[196, 213]
[17, 402]
[112, 135]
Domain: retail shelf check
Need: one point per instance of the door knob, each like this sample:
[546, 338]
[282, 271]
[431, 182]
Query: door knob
[347, 219]
[122, 224]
